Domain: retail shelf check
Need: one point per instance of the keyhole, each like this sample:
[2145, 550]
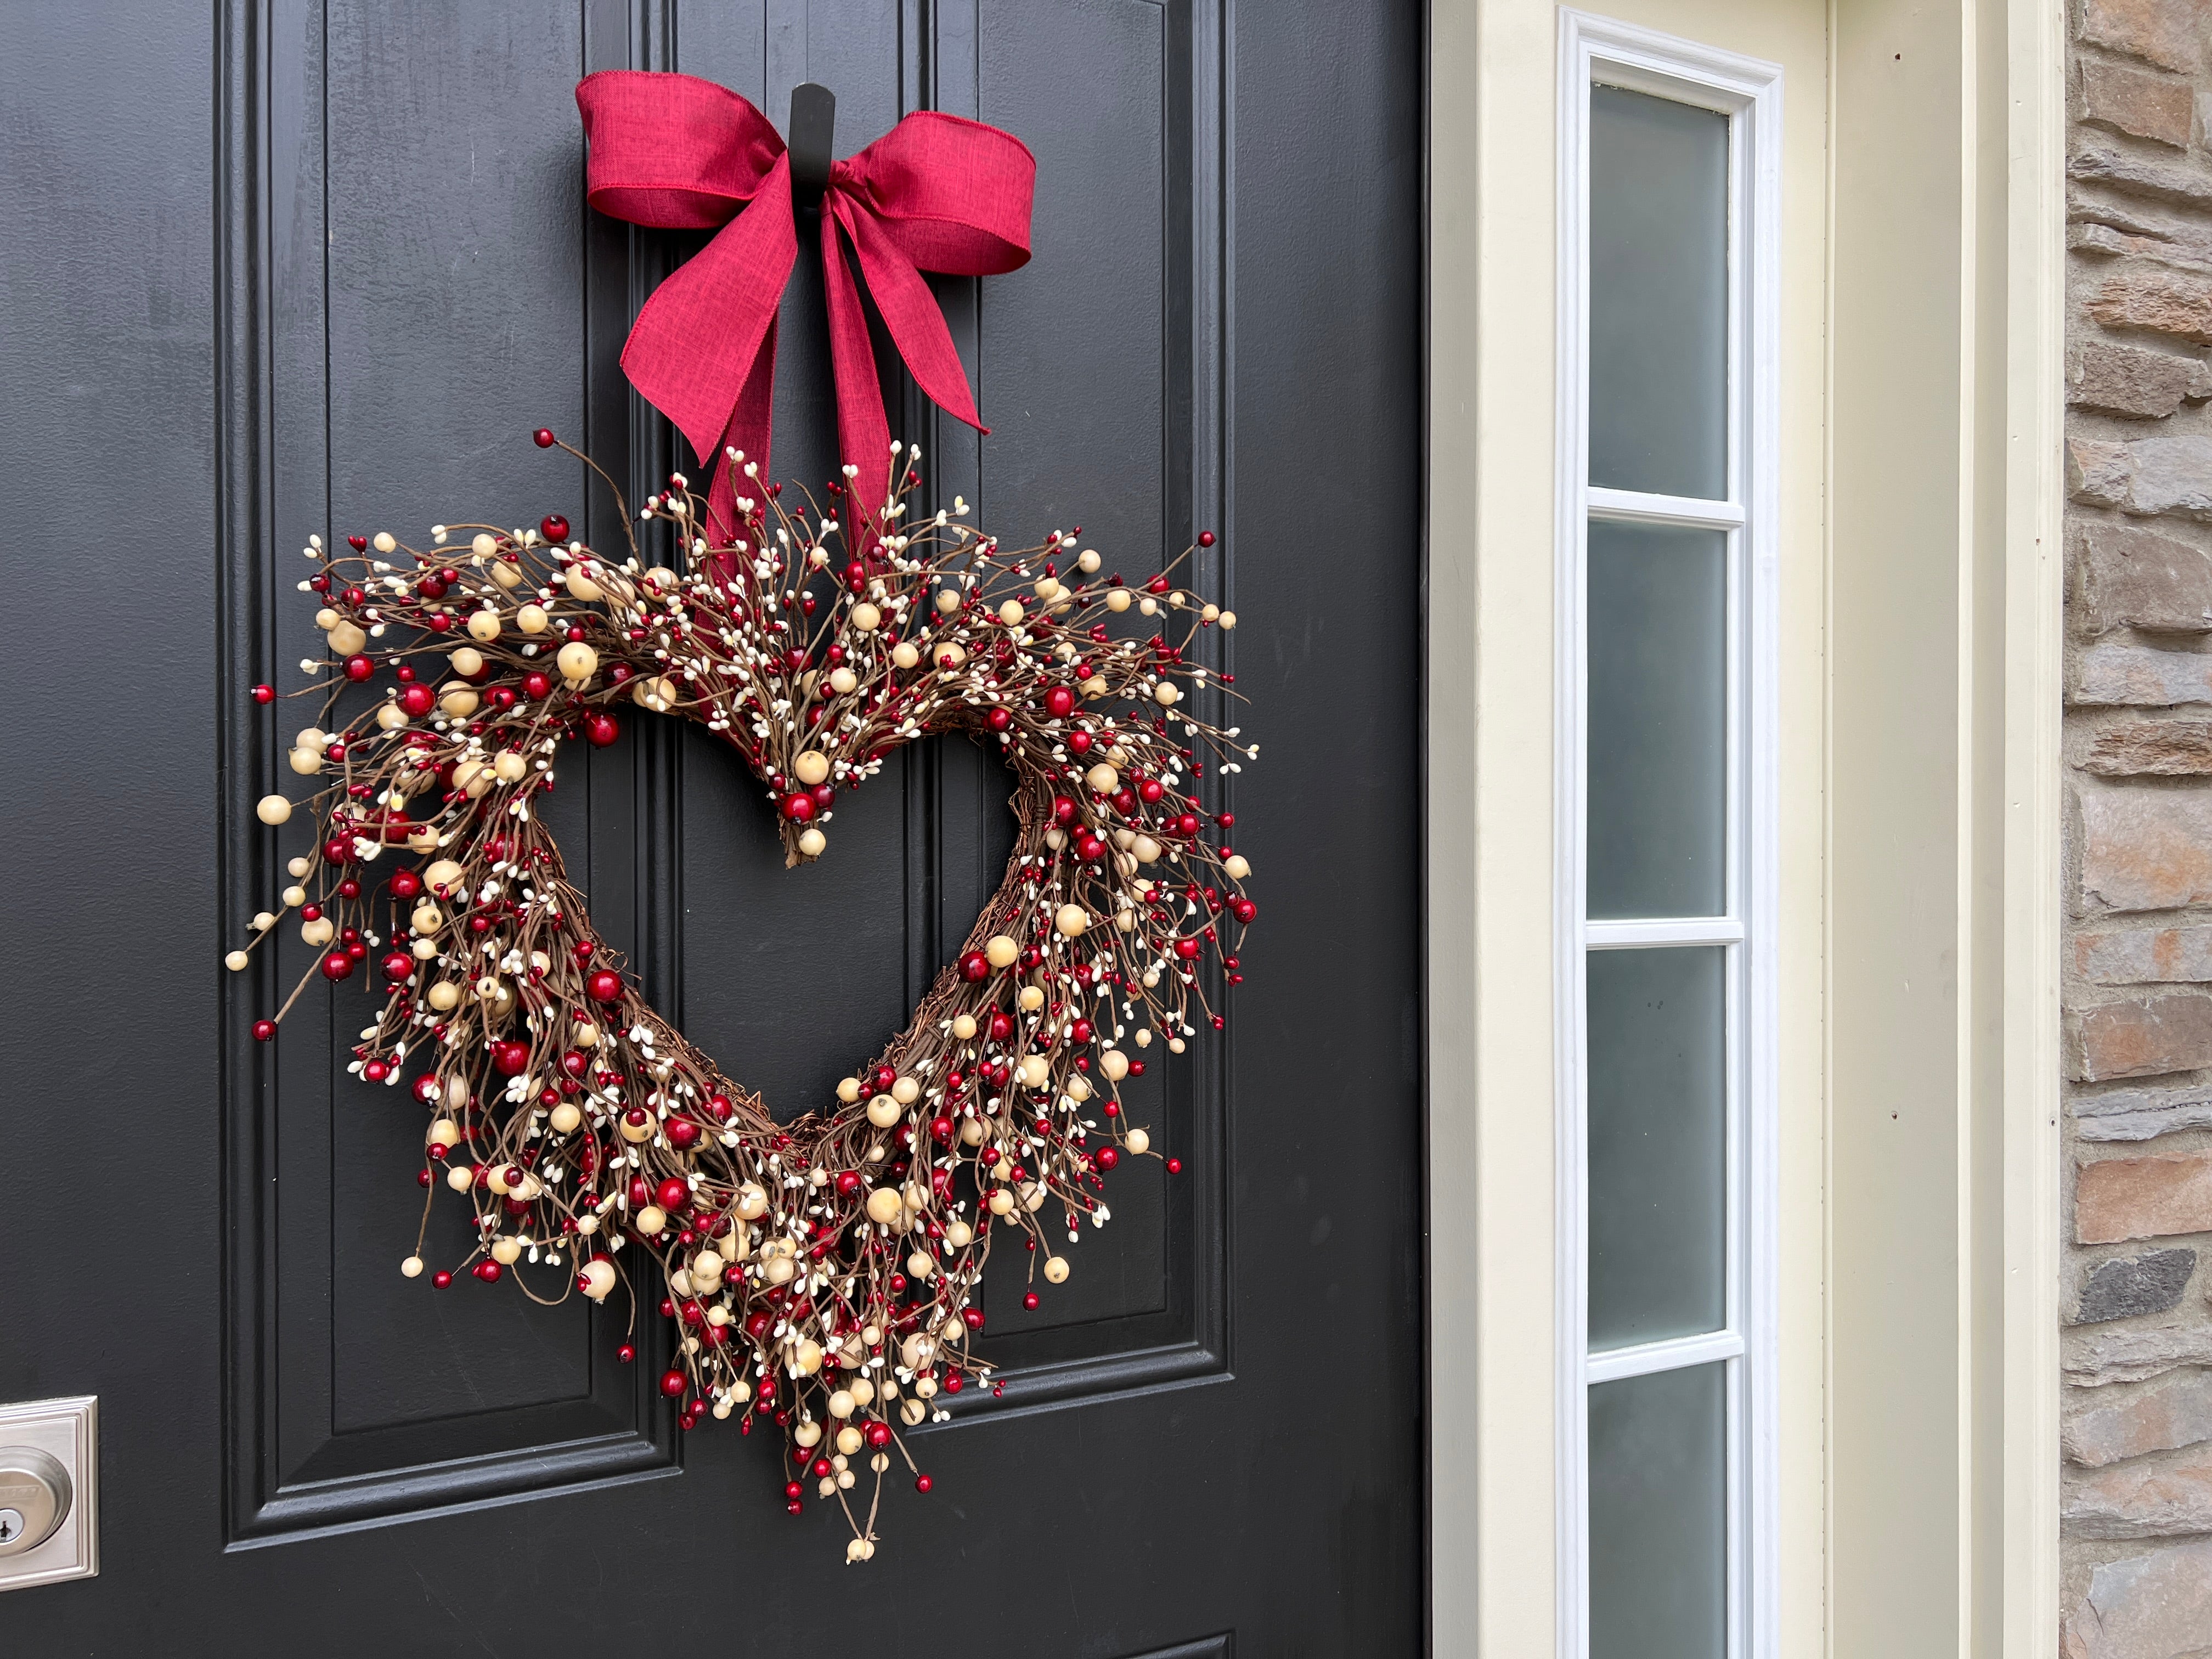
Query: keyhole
[11, 1524]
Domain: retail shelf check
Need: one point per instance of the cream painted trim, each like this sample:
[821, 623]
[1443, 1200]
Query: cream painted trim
[1489, 829]
[1947, 266]
[2034, 693]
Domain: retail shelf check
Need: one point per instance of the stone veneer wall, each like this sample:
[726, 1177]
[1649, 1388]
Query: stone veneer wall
[2137, 1441]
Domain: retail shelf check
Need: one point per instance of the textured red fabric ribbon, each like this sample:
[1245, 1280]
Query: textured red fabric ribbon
[934, 193]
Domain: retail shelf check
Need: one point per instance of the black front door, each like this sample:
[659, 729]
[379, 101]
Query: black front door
[305, 269]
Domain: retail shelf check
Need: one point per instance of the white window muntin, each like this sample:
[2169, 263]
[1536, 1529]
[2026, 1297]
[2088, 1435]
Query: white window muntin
[1598, 51]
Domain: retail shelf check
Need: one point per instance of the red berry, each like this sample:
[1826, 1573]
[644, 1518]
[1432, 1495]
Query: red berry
[1174, 1166]
[674, 1194]
[489, 1272]
[626, 1353]
[441, 1278]
[922, 1483]
[553, 527]
[359, 544]
[1029, 1299]
[799, 806]
[358, 667]
[1206, 538]
[398, 966]
[1109, 1157]
[405, 884]
[265, 693]
[264, 1029]
[975, 966]
[601, 729]
[605, 986]
[1060, 702]
[879, 1435]
[417, 699]
[536, 687]
[542, 437]
[682, 1133]
[674, 1383]
[338, 965]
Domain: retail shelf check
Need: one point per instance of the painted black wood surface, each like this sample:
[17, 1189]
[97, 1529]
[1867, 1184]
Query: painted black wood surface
[314, 267]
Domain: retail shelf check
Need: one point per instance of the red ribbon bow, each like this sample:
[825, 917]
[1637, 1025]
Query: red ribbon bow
[934, 193]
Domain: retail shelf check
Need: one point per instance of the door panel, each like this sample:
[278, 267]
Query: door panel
[428, 285]
[1210, 1438]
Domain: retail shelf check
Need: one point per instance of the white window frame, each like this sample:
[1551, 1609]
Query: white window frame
[1595, 50]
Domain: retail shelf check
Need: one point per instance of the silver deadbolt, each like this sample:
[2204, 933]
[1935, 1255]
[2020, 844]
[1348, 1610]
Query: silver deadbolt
[34, 1497]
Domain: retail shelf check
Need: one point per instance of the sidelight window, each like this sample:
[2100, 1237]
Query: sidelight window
[1668, 309]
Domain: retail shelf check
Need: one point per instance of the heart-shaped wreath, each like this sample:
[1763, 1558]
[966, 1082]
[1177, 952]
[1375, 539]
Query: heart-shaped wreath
[822, 1274]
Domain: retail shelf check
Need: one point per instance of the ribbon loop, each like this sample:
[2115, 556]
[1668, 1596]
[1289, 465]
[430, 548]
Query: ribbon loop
[936, 192]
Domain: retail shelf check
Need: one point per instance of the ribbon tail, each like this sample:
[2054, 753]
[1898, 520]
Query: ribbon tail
[912, 315]
[748, 433]
[863, 433]
[695, 346]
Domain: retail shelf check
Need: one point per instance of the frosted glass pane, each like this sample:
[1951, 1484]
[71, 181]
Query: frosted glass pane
[1658, 1143]
[1658, 295]
[1658, 1516]
[1658, 721]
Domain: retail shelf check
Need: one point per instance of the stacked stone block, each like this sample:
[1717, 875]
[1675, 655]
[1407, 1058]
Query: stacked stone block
[2136, 1448]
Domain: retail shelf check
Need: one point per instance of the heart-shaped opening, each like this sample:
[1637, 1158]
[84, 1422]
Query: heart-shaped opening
[789, 977]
